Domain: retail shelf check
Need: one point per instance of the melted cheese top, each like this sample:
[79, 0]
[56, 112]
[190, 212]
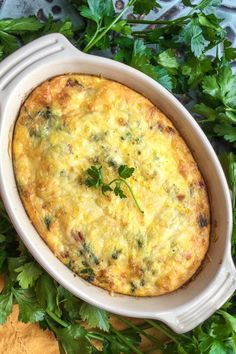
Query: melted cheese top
[74, 121]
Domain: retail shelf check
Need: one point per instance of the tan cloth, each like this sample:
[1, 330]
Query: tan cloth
[26, 338]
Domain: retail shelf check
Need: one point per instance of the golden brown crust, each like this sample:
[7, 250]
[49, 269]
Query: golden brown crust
[73, 121]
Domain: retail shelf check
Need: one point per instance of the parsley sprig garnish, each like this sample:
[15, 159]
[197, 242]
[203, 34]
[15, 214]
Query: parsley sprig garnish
[95, 179]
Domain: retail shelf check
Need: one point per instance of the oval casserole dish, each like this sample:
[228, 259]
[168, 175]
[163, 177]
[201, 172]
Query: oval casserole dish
[182, 310]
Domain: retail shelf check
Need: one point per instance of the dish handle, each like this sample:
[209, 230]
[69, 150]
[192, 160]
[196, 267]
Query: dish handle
[52, 46]
[187, 317]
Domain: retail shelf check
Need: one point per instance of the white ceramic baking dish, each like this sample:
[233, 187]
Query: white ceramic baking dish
[182, 310]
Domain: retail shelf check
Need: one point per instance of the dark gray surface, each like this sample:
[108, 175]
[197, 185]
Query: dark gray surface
[59, 9]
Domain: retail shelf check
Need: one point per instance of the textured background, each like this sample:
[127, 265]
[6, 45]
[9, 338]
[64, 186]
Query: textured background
[59, 9]
[62, 8]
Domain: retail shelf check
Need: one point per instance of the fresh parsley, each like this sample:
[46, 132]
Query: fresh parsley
[144, 7]
[6, 304]
[95, 177]
[95, 180]
[15, 32]
[72, 338]
[102, 13]
[95, 317]
[29, 308]
[28, 274]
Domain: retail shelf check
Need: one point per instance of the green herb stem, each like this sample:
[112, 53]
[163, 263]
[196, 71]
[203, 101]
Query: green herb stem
[202, 4]
[158, 22]
[57, 319]
[228, 109]
[142, 326]
[94, 40]
[96, 336]
[51, 325]
[163, 330]
[124, 340]
[143, 333]
[130, 190]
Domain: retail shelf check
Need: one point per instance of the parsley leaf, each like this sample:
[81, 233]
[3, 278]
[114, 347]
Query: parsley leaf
[163, 77]
[125, 342]
[72, 339]
[29, 308]
[118, 191]
[231, 320]
[141, 60]
[28, 274]
[144, 7]
[96, 178]
[192, 35]
[94, 10]
[229, 51]
[97, 9]
[140, 55]
[187, 3]
[14, 31]
[209, 6]
[167, 59]
[106, 188]
[222, 86]
[47, 299]
[9, 42]
[228, 131]
[214, 336]
[51, 26]
[70, 303]
[125, 171]
[219, 92]
[122, 27]
[6, 303]
[211, 87]
[15, 262]
[196, 68]
[63, 27]
[17, 26]
[205, 111]
[94, 316]
[227, 82]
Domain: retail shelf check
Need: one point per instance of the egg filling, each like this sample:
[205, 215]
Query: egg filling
[72, 122]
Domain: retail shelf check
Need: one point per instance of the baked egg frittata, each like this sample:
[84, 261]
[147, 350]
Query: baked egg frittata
[72, 122]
